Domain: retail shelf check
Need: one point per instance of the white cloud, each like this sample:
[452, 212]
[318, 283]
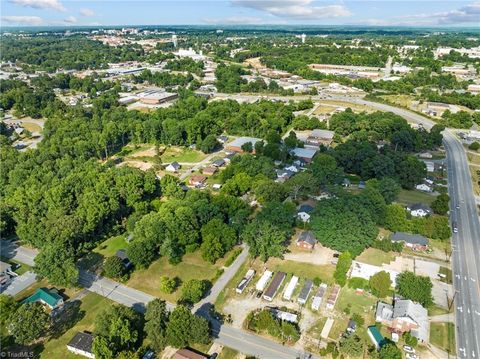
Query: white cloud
[295, 9]
[70, 20]
[466, 14]
[234, 20]
[40, 4]
[22, 20]
[87, 12]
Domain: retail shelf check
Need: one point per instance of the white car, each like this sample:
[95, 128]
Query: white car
[408, 349]
[411, 356]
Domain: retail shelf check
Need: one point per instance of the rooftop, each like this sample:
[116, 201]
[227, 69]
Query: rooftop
[307, 236]
[82, 341]
[409, 238]
[49, 296]
[303, 152]
[239, 142]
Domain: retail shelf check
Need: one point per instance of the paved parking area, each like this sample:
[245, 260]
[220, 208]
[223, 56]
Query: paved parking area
[20, 283]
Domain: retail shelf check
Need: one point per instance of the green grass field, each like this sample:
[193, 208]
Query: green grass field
[442, 335]
[413, 196]
[303, 270]
[375, 257]
[191, 267]
[109, 247]
[228, 353]
[172, 154]
[91, 306]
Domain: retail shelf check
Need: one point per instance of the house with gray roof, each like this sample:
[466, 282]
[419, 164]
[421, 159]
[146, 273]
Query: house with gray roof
[413, 241]
[404, 316]
[306, 240]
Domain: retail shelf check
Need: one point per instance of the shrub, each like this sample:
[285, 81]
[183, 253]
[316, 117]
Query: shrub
[474, 146]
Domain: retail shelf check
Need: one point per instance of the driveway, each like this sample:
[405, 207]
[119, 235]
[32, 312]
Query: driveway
[20, 283]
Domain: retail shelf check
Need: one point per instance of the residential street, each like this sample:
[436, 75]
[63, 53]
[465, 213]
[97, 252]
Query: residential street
[466, 248]
[20, 283]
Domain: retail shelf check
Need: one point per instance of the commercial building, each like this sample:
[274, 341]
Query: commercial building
[262, 282]
[236, 145]
[305, 154]
[320, 137]
[365, 271]
[274, 286]
[349, 71]
[245, 281]
[318, 298]
[305, 292]
[156, 96]
[287, 294]
[404, 316]
[81, 344]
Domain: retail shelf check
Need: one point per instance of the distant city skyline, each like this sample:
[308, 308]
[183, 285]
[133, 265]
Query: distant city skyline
[239, 12]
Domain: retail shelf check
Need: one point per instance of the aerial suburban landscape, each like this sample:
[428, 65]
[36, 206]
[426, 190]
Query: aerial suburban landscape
[239, 179]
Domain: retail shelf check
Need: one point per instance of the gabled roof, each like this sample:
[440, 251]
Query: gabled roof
[416, 312]
[307, 236]
[175, 165]
[305, 208]
[417, 206]
[82, 341]
[409, 238]
[218, 163]
[49, 296]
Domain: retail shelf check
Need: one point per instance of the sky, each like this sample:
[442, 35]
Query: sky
[239, 12]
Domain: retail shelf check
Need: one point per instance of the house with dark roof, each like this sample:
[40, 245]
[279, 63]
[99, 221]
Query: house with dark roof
[122, 254]
[305, 292]
[173, 167]
[218, 163]
[404, 316]
[81, 344]
[413, 241]
[303, 212]
[306, 240]
[189, 354]
[48, 297]
[419, 210]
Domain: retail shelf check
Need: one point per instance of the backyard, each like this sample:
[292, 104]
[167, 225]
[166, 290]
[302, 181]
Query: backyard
[406, 197]
[375, 257]
[90, 307]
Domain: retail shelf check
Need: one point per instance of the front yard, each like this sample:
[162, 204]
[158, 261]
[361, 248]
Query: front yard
[442, 335]
[191, 267]
[407, 197]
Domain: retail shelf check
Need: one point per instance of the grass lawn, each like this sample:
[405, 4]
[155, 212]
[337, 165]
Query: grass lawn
[442, 335]
[228, 353]
[32, 127]
[375, 257]
[413, 196]
[303, 270]
[91, 306]
[435, 310]
[17, 267]
[178, 154]
[191, 267]
[448, 275]
[109, 247]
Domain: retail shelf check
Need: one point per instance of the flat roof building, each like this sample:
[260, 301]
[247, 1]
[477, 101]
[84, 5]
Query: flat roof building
[274, 285]
[287, 294]
[236, 145]
[262, 282]
[305, 154]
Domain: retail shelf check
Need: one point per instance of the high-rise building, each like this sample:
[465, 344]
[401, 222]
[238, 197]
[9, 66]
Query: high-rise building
[303, 38]
[174, 40]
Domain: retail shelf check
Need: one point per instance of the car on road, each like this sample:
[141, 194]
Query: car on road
[455, 227]
[408, 349]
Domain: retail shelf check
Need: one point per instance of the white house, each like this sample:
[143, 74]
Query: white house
[173, 167]
[419, 210]
[423, 187]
